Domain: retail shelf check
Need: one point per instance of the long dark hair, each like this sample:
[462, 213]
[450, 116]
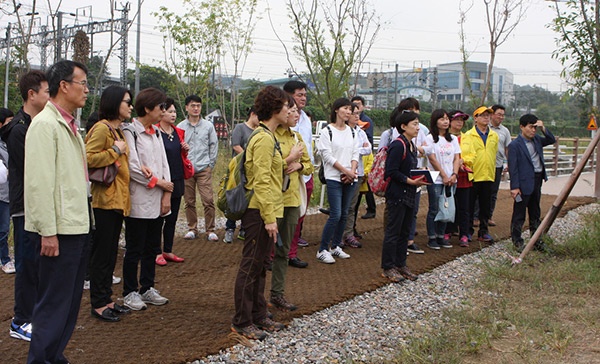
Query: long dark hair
[342, 101]
[433, 127]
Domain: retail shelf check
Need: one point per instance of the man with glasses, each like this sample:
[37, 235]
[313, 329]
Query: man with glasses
[479, 146]
[57, 210]
[501, 164]
[200, 135]
[527, 172]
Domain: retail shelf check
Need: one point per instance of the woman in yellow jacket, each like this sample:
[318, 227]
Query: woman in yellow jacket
[264, 169]
[106, 145]
[298, 163]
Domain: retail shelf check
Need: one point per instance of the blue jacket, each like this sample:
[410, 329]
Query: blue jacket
[520, 165]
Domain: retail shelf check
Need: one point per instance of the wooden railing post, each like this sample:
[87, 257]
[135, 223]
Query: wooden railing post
[575, 151]
[556, 157]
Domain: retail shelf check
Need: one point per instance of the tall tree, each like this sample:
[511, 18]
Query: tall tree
[192, 43]
[578, 43]
[241, 17]
[502, 17]
[334, 37]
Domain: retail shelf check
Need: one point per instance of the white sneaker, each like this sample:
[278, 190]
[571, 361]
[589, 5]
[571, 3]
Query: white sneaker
[213, 237]
[325, 257]
[9, 268]
[86, 284]
[153, 297]
[338, 252]
[116, 280]
[134, 301]
[190, 235]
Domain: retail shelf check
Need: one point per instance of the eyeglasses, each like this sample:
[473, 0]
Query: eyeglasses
[194, 106]
[128, 102]
[83, 83]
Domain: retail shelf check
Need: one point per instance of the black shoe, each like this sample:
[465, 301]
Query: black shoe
[297, 263]
[121, 310]
[270, 266]
[324, 211]
[368, 215]
[107, 315]
[357, 235]
[519, 245]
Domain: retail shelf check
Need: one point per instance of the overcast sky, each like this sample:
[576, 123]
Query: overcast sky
[413, 31]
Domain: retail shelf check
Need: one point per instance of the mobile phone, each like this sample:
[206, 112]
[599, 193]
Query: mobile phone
[518, 198]
[279, 242]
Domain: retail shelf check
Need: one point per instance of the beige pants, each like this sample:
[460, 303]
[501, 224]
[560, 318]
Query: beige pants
[202, 180]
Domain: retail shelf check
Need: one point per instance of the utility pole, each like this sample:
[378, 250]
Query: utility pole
[396, 86]
[137, 49]
[7, 66]
[435, 87]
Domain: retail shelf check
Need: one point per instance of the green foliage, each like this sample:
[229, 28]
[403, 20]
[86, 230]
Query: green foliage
[578, 42]
[192, 44]
[381, 118]
[333, 37]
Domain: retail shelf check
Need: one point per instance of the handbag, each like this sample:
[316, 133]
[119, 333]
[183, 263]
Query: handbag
[447, 207]
[303, 196]
[105, 175]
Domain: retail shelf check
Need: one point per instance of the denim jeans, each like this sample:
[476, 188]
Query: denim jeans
[435, 229]
[339, 196]
[4, 228]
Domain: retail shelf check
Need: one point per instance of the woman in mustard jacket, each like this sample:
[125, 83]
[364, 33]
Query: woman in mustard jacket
[106, 145]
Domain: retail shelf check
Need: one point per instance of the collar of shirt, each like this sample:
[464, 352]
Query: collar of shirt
[483, 135]
[69, 118]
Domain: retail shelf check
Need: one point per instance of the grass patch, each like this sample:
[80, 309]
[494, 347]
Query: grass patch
[545, 310]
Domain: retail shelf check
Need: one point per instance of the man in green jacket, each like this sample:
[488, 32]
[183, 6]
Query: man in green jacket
[56, 208]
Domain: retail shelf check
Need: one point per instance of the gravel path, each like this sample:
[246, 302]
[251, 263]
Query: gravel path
[370, 327]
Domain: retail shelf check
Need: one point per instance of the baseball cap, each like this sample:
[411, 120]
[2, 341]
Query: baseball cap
[481, 109]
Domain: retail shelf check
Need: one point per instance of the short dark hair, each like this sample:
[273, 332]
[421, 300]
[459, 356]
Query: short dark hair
[528, 119]
[291, 86]
[403, 118]
[191, 98]
[62, 71]
[91, 121]
[498, 107]
[148, 98]
[358, 98]
[110, 102]
[169, 101]
[270, 100]
[5, 114]
[32, 80]
[249, 111]
[408, 103]
[342, 101]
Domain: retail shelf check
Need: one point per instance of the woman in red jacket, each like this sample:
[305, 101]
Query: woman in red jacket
[176, 149]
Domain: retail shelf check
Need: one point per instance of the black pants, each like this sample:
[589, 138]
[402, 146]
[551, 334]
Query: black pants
[531, 203]
[142, 240]
[483, 192]
[26, 264]
[371, 205]
[395, 242]
[495, 189]
[169, 228]
[58, 298]
[105, 244]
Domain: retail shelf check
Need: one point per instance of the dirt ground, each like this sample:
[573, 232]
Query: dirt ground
[196, 321]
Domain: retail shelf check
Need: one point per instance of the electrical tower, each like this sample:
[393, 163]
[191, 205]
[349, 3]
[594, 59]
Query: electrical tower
[45, 37]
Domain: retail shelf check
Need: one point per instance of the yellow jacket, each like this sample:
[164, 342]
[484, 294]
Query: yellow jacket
[286, 139]
[479, 157]
[98, 146]
[264, 170]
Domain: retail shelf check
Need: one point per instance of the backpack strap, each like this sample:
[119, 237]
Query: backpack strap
[404, 144]
[331, 134]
